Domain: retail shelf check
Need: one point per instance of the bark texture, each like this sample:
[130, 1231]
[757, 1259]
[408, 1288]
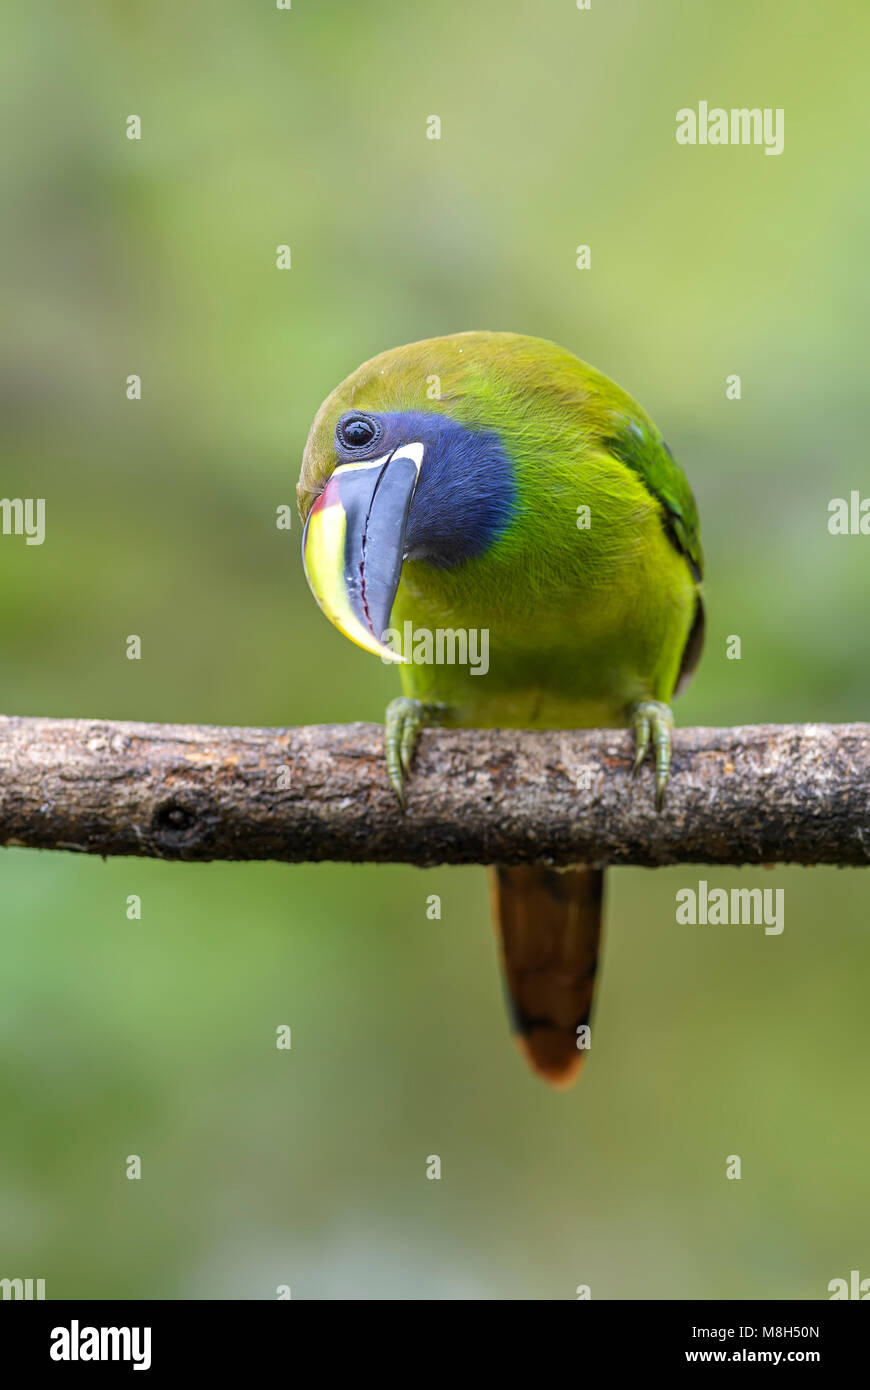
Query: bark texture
[752, 795]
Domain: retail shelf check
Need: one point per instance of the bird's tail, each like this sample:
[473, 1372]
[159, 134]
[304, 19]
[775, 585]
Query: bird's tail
[549, 923]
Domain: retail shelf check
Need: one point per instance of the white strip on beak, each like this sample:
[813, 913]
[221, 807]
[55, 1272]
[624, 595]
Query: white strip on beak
[414, 452]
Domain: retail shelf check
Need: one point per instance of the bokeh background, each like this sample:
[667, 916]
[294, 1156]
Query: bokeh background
[307, 127]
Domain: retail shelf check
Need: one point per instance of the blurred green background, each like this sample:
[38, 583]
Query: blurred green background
[157, 257]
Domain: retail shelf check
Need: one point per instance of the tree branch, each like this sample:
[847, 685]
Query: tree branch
[754, 795]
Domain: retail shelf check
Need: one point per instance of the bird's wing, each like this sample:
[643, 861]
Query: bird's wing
[638, 445]
[641, 448]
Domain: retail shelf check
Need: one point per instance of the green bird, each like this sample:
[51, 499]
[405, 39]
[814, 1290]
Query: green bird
[515, 521]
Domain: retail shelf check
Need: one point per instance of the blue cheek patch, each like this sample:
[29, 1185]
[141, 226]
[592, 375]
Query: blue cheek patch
[466, 494]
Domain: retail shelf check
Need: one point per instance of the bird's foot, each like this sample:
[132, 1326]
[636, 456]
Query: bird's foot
[403, 721]
[652, 721]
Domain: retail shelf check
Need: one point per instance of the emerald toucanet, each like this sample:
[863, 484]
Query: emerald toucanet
[494, 485]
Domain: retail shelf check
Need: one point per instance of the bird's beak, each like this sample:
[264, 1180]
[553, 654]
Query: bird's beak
[354, 544]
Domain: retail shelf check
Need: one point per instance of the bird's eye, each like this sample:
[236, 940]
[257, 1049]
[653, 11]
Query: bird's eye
[357, 431]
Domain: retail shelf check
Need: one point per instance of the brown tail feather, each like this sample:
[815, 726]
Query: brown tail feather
[549, 921]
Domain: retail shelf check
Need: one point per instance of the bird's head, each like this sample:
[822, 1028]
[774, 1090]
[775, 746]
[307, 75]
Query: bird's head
[400, 465]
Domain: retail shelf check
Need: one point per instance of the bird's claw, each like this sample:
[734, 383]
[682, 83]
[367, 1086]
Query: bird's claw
[403, 721]
[652, 721]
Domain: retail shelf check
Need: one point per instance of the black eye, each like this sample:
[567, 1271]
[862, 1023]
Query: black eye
[356, 431]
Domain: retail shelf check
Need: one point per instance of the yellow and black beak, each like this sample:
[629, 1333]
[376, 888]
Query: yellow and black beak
[354, 544]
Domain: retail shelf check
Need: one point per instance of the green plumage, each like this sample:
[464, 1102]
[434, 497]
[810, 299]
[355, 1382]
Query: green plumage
[582, 622]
